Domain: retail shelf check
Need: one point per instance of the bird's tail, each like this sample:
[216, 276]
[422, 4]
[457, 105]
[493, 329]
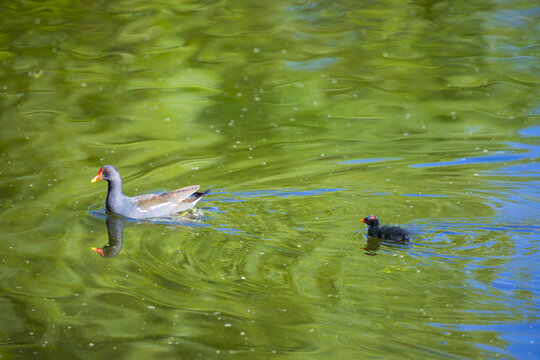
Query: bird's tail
[195, 197]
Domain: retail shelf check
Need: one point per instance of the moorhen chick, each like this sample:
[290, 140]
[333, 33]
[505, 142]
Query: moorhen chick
[394, 233]
[148, 205]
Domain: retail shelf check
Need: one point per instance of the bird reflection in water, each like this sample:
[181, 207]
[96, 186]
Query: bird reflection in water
[115, 230]
[374, 244]
[116, 225]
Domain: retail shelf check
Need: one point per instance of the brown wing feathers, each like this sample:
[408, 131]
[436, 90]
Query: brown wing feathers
[177, 196]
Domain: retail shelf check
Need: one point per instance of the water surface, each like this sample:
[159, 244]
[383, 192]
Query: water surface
[301, 118]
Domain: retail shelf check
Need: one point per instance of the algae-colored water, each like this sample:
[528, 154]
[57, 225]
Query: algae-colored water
[301, 117]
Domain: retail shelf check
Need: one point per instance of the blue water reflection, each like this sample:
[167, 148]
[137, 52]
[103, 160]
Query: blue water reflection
[311, 65]
[283, 193]
[532, 153]
[501, 156]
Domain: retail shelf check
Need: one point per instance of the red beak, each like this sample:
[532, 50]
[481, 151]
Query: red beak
[98, 250]
[363, 220]
[98, 176]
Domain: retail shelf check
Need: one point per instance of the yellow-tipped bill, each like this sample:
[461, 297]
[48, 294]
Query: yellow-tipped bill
[98, 176]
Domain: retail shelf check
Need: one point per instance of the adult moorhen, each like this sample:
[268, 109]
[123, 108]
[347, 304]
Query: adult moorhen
[148, 205]
[394, 233]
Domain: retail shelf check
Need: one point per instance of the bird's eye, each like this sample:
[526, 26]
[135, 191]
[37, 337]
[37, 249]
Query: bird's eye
[106, 172]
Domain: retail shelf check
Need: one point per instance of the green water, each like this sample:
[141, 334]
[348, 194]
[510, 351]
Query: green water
[301, 117]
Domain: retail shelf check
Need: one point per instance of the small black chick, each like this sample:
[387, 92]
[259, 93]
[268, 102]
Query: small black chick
[394, 233]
